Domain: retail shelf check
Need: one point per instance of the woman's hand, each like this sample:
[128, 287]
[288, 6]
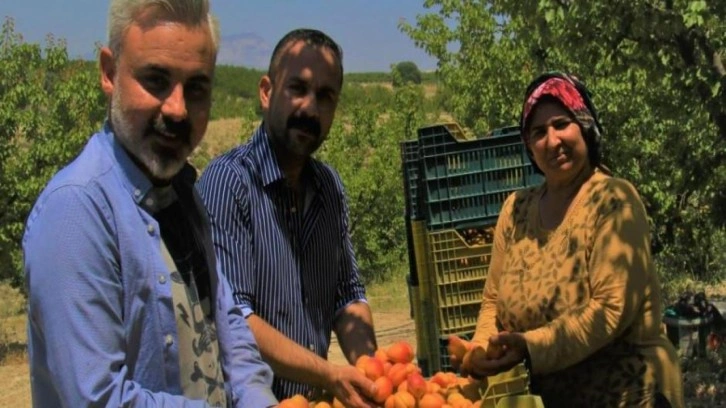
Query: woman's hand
[505, 351]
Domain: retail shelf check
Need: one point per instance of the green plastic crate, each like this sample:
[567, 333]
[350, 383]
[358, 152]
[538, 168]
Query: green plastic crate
[410, 166]
[458, 272]
[465, 180]
[514, 382]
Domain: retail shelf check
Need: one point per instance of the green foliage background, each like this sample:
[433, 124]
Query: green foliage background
[406, 72]
[656, 72]
[49, 106]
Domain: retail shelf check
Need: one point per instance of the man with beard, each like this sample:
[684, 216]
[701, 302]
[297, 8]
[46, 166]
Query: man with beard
[126, 306]
[280, 227]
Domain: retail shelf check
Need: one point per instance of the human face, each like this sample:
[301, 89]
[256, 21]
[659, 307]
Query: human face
[160, 91]
[299, 102]
[556, 142]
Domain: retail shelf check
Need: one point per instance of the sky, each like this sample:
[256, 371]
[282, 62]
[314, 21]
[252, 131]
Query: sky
[366, 30]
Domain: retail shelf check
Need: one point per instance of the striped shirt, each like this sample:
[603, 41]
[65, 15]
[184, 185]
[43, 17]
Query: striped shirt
[293, 267]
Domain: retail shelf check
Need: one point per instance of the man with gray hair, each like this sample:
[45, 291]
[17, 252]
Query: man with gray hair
[126, 305]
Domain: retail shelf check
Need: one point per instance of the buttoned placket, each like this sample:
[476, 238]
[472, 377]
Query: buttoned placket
[150, 203]
[296, 220]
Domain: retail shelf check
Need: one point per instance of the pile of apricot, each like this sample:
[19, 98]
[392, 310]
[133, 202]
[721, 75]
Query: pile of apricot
[399, 383]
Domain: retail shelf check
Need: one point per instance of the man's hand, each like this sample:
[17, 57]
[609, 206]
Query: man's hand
[507, 350]
[351, 387]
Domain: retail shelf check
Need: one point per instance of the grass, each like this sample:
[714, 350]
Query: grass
[391, 295]
[13, 337]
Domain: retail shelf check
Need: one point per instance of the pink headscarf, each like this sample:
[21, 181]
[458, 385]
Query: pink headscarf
[564, 91]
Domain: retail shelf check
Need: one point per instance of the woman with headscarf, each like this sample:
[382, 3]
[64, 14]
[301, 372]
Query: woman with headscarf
[572, 291]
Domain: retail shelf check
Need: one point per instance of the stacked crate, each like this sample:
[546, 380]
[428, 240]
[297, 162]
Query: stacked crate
[455, 186]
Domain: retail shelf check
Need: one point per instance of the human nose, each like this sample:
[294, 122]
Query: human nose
[553, 138]
[310, 105]
[174, 106]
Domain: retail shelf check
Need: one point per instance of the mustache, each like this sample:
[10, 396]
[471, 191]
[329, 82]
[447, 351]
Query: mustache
[181, 129]
[304, 123]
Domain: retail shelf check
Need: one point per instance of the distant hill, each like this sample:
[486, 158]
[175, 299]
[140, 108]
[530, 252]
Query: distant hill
[245, 49]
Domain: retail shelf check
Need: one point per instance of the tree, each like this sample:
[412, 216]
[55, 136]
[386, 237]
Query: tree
[49, 105]
[363, 147]
[657, 74]
[405, 72]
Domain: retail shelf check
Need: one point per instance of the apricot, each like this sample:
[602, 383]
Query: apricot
[416, 385]
[476, 357]
[432, 387]
[430, 400]
[296, 401]
[387, 367]
[462, 403]
[360, 363]
[397, 373]
[337, 403]
[400, 352]
[453, 397]
[403, 386]
[381, 354]
[413, 368]
[322, 404]
[457, 347]
[441, 379]
[403, 399]
[373, 368]
[451, 377]
[384, 389]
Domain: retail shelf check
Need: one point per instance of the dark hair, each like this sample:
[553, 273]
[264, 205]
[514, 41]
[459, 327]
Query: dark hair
[591, 135]
[311, 37]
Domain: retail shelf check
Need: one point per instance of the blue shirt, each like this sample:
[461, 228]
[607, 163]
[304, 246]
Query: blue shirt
[294, 267]
[101, 324]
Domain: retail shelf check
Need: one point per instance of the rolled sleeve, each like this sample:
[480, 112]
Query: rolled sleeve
[350, 286]
[250, 377]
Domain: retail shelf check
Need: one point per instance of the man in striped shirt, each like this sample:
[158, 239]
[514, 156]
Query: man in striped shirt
[280, 225]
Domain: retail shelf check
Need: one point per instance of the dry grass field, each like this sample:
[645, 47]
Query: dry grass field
[15, 388]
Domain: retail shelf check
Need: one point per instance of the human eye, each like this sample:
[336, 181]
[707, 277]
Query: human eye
[297, 88]
[154, 82]
[561, 123]
[536, 133]
[197, 90]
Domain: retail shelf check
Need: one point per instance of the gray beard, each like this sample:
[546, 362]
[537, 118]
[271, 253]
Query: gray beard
[156, 166]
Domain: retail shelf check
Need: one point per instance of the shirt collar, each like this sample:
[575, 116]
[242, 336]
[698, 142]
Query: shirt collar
[136, 182]
[265, 158]
[266, 161]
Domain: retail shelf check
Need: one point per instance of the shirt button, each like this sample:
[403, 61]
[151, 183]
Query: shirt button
[169, 340]
[149, 202]
[137, 192]
[150, 229]
[162, 279]
[311, 347]
[293, 210]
